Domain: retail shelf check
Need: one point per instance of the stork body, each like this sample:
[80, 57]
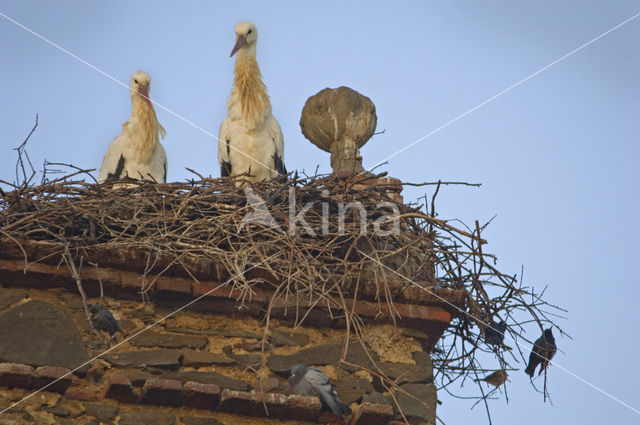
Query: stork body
[137, 152]
[250, 137]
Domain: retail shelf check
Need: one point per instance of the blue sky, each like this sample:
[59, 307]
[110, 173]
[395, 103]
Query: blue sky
[558, 156]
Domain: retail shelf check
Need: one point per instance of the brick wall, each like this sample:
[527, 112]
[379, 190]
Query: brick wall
[211, 363]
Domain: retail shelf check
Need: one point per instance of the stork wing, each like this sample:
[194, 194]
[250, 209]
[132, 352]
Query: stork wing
[113, 161]
[275, 133]
[165, 165]
[224, 148]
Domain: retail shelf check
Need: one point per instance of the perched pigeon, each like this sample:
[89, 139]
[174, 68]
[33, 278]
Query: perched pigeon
[542, 352]
[496, 378]
[103, 320]
[309, 381]
[494, 334]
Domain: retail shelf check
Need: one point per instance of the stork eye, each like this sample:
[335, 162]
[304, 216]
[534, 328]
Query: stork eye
[249, 32]
[135, 81]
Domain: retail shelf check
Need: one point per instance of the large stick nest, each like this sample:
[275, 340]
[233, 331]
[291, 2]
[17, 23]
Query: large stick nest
[183, 228]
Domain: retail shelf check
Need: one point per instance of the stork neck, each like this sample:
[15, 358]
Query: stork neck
[144, 126]
[248, 88]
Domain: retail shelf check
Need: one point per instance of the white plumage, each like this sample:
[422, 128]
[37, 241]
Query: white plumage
[137, 152]
[250, 137]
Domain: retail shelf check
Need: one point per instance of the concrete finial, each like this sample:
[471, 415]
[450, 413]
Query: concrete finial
[340, 121]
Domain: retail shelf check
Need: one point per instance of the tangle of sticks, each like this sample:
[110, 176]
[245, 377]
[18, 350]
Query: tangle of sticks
[384, 252]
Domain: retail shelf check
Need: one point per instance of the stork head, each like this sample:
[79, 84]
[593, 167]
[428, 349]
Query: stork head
[246, 35]
[139, 85]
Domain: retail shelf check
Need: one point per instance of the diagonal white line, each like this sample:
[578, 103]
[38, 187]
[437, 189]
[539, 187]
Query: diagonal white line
[138, 333]
[508, 89]
[504, 334]
[95, 68]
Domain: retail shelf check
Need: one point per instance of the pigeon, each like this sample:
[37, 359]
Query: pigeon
[496, 378]
[494, 334]
[103, 320]
[542, 352]
[309, 381]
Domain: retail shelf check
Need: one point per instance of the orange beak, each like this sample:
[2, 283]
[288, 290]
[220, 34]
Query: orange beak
[144, 92]
[240, 43]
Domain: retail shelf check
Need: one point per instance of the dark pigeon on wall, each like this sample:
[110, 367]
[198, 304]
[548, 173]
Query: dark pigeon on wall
[542, 352]
[309, 381]
[103, 320]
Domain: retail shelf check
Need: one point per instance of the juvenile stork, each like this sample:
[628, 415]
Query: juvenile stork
[137, 152]
[250, 137]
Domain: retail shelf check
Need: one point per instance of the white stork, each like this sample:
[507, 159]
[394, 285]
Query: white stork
[137, 152]
[250, 137]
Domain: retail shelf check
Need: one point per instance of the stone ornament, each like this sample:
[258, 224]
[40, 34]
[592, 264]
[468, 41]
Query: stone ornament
[340, 121]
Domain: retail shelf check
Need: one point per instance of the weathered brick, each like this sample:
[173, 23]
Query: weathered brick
[314, 314]
[102, 412]
[119, 388]
[217, 291]
[130, 287]
[137, 377]
[145, 417]
[271, 405]
[161, 392]
[373, 414]
[232, 401]
[422, 312]
[199, 420]
[166, 359]
[200, 396]
[402, 373]
[352, 389]
[302, 408]
[59, 378]
[418, 400]
[81, 394]
[95, 372]
[167, 340]
[270, 385]
[15, 375]
[223, 381]
[173, 287]
[280, 337]
[192, 358]
[227, 306]
[324, 354]
[265, 405]
[60, 411]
